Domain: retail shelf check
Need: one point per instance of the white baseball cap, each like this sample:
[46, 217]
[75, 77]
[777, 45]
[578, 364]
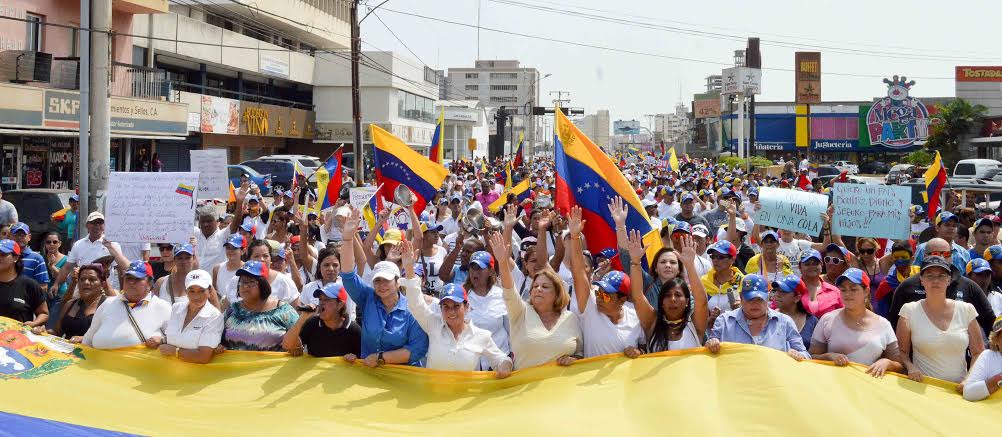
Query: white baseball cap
[200, 278]
[700, 230]
[385, 270]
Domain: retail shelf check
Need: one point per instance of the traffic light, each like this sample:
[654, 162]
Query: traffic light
[542, 110]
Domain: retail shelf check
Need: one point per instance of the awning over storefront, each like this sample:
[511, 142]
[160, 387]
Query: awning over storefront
[74, 134]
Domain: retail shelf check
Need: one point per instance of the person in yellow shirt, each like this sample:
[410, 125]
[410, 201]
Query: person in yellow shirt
[723, 281]
[771, 264]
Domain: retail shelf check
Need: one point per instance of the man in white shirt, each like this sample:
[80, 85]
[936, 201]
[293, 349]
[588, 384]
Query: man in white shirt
[668, 207]
[85, 251]
[112, 326]
[209, 239]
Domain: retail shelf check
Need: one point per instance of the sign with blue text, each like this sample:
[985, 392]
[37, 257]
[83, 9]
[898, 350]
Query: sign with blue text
[791, 210]
[878, 211]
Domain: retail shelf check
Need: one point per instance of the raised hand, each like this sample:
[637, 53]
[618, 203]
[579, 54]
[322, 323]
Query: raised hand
[687, 250]
[618, 210]
[574, 222]
[499, 246]
[350, 227]
[408, 256]
[635, 245]
[510, 216]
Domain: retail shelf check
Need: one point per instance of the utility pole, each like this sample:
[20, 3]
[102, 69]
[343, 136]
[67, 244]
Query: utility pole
[84, 146]
[100, 111]
[560, 100]
[356, 101]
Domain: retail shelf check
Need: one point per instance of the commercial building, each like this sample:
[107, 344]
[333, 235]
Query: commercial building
[246, 73]
[982, 85]
[497, 83]
[674, 129]
[466, 130]
[40, 108]
[595, 126]
[397, 94]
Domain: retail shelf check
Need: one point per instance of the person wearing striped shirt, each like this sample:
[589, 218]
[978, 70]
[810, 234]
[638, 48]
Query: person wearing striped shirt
[34, 264]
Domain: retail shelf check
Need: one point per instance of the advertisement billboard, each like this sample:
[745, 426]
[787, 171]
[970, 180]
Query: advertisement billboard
[979, 74]
[808, 77]
[706, 105]
[626, 127]
[220, 116]
[898, 120]
[741, 80]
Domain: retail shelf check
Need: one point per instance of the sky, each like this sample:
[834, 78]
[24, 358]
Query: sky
[861, 42]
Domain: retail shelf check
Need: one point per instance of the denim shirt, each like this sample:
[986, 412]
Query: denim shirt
[384, 331]
[780, 331]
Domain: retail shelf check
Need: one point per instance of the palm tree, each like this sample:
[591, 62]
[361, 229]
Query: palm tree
[957, 118]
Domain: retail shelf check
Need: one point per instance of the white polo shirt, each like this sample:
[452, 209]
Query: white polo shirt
[111, 328]
[282, 288]
[85, 251]
[601, 337]
[210, 250]
[205, 329]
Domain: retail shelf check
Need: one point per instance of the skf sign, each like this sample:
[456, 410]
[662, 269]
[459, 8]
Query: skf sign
[63, 106]
[62, 109]
[256, 120]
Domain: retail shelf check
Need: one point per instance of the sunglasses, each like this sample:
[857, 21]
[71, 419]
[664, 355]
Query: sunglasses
[833, 260]
[607, 297]
[719, 257]
[97, 222]
[943, 253]
[52, 242]
[867, 251]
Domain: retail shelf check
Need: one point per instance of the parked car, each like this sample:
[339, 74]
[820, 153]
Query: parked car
[309, 163]
[233, 173]
[976, 168]
[846, 166]
[899, 174]
[826, 181]
[827, 170]
[874, 167]
[35, 207]
[281, 170]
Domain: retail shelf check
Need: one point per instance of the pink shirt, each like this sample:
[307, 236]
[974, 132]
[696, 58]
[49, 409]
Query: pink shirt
[828, 298]
[487, 199]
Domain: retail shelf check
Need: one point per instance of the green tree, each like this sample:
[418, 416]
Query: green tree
[957, 118]
[921, 158]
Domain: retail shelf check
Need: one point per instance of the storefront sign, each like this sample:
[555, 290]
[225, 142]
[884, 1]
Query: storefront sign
[979, 74]
[898, 120]
[808, 77]
[21, 106]
[275, 121]
[706, 105]
[272, 63]
[741, 80]
[60, 109]
[462, 114]
[344, 133]
[834, 145]
[220, 116]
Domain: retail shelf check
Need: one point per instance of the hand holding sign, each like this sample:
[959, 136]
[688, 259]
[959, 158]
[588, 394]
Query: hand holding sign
[792, 210]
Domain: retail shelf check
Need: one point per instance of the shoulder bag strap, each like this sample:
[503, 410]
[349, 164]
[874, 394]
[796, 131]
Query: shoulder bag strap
[135, 326]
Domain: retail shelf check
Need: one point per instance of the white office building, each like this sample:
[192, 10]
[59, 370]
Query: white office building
[596, 126]
[500, 83]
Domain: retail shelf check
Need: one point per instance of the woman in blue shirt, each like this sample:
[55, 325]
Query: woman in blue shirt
[755, 323]
[390, 335]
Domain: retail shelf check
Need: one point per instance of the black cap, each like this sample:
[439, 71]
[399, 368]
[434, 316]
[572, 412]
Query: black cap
[935, 261]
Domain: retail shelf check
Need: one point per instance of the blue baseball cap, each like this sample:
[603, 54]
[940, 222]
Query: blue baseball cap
[333, 290]
[811, 254]
[253, 268]
[184, 248]
[978, 265]
[482, 259]
[609, 253]
[236, 241]
[140, 269]
[772, 234]
[453, 292]
[918, 209]
[855, 275]
[754, 191]
[840, 249]
[753, 287]
[253, 198]
[993, 252]
[984, 221]
[248, 226]
[281, 252]
[790, 284]
[10, 247]
[688, 197]
[946, 216]
[724, 247]
[20, 227]
[682, 227]
[614, 282]
[288, 194]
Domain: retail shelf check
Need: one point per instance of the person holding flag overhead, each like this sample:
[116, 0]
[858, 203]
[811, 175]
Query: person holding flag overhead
[329, 180]
[935, 179]
[436, 153]
[397, 163]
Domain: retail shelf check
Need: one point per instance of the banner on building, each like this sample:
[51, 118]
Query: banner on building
[808, 77]
[220, 115]
[978, 74]
[898, 120]
[706, 105]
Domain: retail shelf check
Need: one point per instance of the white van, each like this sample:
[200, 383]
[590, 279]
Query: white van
[976, 168]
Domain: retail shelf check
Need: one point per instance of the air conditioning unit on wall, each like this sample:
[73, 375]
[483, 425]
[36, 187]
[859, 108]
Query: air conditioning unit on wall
[23, 66]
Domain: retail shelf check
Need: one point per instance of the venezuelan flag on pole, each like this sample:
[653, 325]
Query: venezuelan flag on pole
[517, 160]
[587, 178]
[397, 163]
[935, 180]
[437, 151]
[329, 178]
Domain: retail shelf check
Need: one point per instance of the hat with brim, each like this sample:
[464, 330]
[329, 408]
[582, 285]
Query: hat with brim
[453, 292]
[753, 287]
[932, 262]
[385, 270]
[333, 291]
[614, 282]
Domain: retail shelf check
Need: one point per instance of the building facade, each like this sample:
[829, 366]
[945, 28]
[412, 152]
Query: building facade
[596, 126]
[497, 83]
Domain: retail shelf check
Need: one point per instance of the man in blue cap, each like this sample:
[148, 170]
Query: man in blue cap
[946, 229]
[688, 213]
[33, 264]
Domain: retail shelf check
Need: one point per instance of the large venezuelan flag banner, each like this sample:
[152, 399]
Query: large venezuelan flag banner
[744, 390]
[397, 163]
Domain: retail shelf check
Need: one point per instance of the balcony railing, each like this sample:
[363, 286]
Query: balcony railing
[126, 80]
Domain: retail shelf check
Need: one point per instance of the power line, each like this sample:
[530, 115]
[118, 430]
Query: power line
[716, 35]
[398, 39]
[635, 52]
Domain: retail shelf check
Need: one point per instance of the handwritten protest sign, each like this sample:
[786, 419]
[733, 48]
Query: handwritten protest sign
[864, 210]
[358, 197]
[213, 181]
[791, 210]
[150, 207]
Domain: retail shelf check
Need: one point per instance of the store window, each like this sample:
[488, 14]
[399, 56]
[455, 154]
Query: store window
[33, 32]
[48, 163]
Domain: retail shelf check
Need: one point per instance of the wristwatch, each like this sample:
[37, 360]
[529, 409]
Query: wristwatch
[379, 359]
[999, 384]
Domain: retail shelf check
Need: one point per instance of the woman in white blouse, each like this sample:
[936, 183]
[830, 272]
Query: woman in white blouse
[855, 333]
[487, 309]
[454, 343]
[195, 327]
[934, 333]
[542, 329]
[986, 373]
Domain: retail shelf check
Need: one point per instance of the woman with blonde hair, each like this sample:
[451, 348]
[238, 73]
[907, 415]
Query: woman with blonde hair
[985, 376]
[542, 329]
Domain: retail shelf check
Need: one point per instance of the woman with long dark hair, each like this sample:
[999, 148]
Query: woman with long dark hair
[672, 326]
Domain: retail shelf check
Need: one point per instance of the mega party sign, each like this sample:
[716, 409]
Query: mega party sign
[898, 120]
